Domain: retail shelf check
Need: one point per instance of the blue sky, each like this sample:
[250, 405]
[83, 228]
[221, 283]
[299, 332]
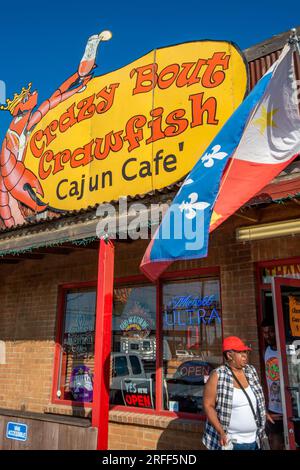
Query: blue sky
[43, 42]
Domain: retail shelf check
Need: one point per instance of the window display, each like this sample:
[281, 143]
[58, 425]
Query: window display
[192, 333]
[78, 343]
[134, 347]
[187, 344]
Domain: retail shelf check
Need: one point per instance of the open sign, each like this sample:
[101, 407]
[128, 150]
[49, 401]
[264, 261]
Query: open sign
[137, 392]
[194, 370]
[143, 401]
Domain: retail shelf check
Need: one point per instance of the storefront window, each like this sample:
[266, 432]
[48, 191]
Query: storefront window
[133, 357]
[192, 336]
[78, 343]
[189, 344]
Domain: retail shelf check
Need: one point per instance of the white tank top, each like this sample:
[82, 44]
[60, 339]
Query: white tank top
[242, 426]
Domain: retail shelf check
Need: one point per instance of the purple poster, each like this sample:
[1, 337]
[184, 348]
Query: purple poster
[81, 384]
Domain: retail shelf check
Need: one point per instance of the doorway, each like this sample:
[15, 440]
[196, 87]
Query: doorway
[286, 306]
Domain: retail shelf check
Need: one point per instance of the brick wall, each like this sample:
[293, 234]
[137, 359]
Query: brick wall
[144, 432]
[28, 310]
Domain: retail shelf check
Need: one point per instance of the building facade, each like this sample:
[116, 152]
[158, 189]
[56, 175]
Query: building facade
[166, 337]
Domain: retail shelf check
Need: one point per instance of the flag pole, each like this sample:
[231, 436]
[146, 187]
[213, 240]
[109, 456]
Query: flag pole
[293, 39]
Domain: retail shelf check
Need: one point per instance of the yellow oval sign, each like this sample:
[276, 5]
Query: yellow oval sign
[139, 128]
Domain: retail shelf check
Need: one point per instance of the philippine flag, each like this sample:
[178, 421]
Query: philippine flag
[256, 143]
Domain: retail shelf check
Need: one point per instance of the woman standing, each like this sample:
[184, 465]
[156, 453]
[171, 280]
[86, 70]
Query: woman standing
[234, 420]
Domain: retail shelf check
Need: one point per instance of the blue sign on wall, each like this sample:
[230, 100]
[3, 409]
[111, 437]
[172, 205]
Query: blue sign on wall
[16, 431]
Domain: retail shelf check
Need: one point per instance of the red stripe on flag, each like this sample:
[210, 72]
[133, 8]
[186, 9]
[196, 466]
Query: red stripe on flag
[242, 180]
[153, 269]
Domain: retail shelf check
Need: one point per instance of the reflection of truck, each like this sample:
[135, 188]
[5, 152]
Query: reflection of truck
[144, 347]
[128, 371]
[125, 366]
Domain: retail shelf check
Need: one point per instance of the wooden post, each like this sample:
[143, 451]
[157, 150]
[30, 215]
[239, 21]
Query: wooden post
[103, 332]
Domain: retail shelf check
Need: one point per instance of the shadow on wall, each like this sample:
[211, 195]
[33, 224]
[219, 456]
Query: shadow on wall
[29, 292]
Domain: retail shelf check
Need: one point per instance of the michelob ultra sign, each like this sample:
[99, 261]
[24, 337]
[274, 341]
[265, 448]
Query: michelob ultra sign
[133, 130]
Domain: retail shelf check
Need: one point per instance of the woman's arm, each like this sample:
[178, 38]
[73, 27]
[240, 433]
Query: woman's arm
[209, 405]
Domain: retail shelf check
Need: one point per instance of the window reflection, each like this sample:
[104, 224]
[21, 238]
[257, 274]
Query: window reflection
[190, 344]
[192, 341]
[134, 344]
[78, 346]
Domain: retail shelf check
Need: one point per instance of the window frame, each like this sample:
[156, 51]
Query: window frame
[61, 304]
[195, 273]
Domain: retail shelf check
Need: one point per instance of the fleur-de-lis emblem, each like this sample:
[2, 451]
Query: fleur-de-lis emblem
[191, 207]
[208, 158]
[188, 181]
[185, 183]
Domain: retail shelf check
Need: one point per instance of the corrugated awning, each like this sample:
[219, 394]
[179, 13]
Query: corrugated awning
[277, 191]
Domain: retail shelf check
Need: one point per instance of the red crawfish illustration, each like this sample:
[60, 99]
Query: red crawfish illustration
[17, 183]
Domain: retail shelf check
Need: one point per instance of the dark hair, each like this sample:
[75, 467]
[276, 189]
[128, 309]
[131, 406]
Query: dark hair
[268, 321]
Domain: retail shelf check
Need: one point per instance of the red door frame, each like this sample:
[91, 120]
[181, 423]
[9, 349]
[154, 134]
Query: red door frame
[286, 398]
[159, 351]
[261, 287]
[103, 330]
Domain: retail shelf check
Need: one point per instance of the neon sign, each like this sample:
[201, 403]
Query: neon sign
[185, 311]
[191, 317]
[181, 301]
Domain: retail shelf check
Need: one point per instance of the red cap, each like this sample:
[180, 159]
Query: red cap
[233, 343]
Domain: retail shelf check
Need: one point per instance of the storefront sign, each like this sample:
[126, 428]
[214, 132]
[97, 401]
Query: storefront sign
[127, 132]
[136, 324]
[16, 431]
[80, 323]
[81, 384]
[79, 344]
[137, 392]
[188, 301]
[280, 270]
[79, 336]
[185, 311]
[294, 309]
[195, 369]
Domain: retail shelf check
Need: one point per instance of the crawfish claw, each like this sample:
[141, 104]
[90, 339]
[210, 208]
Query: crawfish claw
[20, 183]
[34, 196]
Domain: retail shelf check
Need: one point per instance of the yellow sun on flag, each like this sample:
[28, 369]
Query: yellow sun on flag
[215, 217]
[266, 119]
